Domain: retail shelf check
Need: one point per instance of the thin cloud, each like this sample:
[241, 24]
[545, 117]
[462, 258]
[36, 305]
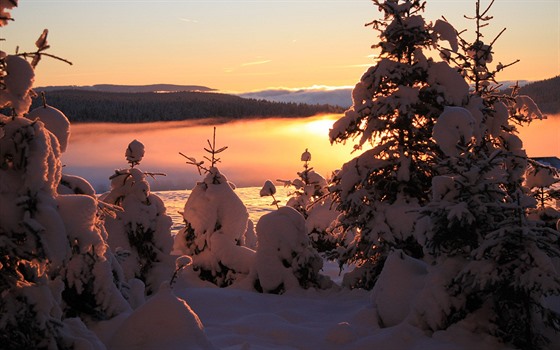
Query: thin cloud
[255, 63]
[188, 20]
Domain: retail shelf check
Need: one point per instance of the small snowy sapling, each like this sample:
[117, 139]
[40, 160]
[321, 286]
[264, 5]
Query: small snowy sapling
[140, 233]
[543, 184]
[269, 189]
[311, 197]
[216, 222]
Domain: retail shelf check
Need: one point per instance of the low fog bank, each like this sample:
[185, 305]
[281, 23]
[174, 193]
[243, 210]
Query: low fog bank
[257, 149]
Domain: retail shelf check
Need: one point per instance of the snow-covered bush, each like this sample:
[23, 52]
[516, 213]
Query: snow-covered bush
[216, 222]
[285, 258]
[310, 196]
[140, 233]
[54, 262]
[395, 106]
[543, 184]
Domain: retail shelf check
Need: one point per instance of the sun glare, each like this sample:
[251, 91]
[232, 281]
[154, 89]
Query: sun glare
[320, 126]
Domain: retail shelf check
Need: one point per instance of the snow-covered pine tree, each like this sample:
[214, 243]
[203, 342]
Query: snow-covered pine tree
[308, 187]
[310, 196]
[140, 233]
[503, 273]
[216, 222]
[53, 264]
[465, 191]
[31, 317]
[395, 105]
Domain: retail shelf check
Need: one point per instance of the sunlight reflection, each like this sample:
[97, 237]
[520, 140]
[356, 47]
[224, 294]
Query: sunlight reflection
[319, 126]
[541, 138]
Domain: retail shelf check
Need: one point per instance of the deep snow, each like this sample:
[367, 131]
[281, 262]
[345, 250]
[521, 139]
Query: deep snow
[301, 319]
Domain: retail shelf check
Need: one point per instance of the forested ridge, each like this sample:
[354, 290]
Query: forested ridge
[546, 93]
[95, 106]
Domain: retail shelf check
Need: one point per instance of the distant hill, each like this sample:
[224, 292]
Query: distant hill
[338, 96]
[125, 107]
[546, 93]
[128, 88]
[341, 96]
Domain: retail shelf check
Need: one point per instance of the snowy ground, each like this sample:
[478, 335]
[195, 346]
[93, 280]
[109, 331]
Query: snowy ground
[236, 319]
[310, 319]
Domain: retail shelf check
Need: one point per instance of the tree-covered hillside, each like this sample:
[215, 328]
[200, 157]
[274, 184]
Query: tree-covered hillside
[546, 93]
[94, 106]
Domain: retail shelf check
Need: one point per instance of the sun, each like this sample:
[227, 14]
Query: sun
[320, 126]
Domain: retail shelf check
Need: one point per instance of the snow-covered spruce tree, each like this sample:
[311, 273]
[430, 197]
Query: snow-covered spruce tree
[311, 197]
[216, 222]
[32, 317]
[140, 233]
[53, 259]
[466, 190]
[308, 187]
[395, 105]
[501, 267]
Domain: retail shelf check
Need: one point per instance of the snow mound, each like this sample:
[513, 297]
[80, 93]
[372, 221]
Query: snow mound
[396, 289]
[55, 121]
[285, 259]
[163, 322]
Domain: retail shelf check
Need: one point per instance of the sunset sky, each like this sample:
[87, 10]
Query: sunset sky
[245, 45]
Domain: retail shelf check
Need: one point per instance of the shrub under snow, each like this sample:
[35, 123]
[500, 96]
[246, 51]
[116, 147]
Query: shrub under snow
[216, 223]
[285, 259]
[140, 231]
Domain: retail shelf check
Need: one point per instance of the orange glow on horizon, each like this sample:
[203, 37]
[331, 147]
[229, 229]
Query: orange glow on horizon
[257, 149]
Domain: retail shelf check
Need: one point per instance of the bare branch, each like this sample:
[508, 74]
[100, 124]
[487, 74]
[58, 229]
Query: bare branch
[153, 175]
[497, 36]
[487, 9]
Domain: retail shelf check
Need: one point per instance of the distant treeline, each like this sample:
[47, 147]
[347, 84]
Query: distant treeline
[546, 93]
[94, 106]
